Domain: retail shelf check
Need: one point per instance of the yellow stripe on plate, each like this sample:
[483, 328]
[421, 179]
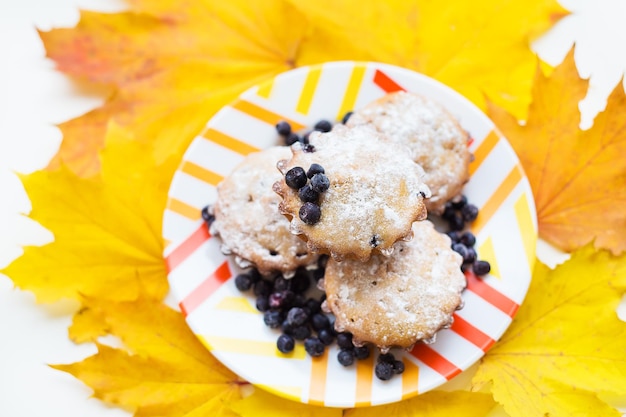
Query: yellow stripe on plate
[251, 347]
[265, 89]
[308, 91]
[239, 304]
[497, 198]
[487, 252]
[364, 381]
[352, 90]
[184, 209]
[317, 386]
[229, 142]
[201, 173]
[483, 150]
[410, 379]
[526, 228]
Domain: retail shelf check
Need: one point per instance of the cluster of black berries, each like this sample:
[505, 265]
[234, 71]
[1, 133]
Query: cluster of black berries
[285, 307]
[387, 366]
[457, 213]
[310, 185]
[284, 129]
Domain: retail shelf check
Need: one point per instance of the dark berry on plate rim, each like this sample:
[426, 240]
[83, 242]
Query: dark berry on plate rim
[207, 215]
[398, 367]
[326, 336]
[319, 321]
[281, 299]
[308, 194]
[456, 222]
[345, 117]
[272, 318]
[386, 357]
[314, 346]
[454, 236]
[345, 357]
[243, 282]
[296, 178]
[362, 352]
[461, 249]
[310, 213]
[384, 371]
[285, 343]
[459, 202]
[470, 257]
[323, 126]
[344, 340]
[262, 303]
[283, 128]
[262, 287]
[312, 305]
[291, 139]
[301, 332]
[296, 316]
[469, 212]
[481, 268]
[315, 169]
[282, 284]
[468, 239]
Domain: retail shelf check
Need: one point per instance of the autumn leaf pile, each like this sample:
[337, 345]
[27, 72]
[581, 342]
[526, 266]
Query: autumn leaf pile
[169, 65]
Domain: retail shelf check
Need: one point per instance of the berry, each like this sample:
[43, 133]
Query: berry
[301, 281]
[262, 287]
[281, 299]
[207, 216]
[301, 332]
[243, 282]
[469, 212]
[326, 336]
[481, 267]
[384, 371]
[386, 357]
[254, 275]
[262, 303]
[319, 321]
[454, 236]
[298, 301]
[283, 128]
[448, 211]
[310, 213]
[282, 284]
[456, 222]
[308, 148]
[320, 182]
[459, 202]
[308, 195]
[362, 352]
[470, 257]
[344, 340]
[296, 178]
[313, 346]
[291, 139]
[398, 367]
[346, 116]
[346, 357]
[468, 239]
[273, 319]
[297, 316]
[285, 343]
[315, 169]
[461, 249]
[323, 126]
[312, 305]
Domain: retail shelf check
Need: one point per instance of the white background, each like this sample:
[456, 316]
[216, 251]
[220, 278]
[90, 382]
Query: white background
[33, 98]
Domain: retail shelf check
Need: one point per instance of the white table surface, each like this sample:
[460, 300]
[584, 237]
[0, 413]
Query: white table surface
[34, 97]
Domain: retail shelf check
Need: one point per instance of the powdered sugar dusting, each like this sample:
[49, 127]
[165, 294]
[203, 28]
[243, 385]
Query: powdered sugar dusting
[376, 191]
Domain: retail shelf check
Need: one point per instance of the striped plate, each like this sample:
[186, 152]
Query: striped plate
[227, 322]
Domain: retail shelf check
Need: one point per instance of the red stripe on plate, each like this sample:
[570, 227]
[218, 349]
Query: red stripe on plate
[435, 360]
[470, 333]
[387, 84]
[189, 245]
[490, 294]
[205, 289]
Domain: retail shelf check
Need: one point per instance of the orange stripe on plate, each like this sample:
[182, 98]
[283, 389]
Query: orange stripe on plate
[475, 336]
[308, 91]
[497, 198]
[484, 149]
[490, 294]
[184, 209]
[364, 380]
[205, 289]
[187, 247]
[410, 379]
[352, 90]
[201, 173]
[264, 115]
[435, 360]
[229, 142]
[265, 89]
[319, 370]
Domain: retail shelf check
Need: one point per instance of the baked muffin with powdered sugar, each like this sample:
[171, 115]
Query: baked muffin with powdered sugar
[248, 221]
[435, 138]
[351, 192]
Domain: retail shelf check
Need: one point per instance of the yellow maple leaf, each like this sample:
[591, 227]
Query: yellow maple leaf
[173, 65]
[578, 177]
[566, 343]
[107, 230]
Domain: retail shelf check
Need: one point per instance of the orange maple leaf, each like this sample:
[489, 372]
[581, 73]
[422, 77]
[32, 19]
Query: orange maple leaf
[578, 177]
[173, 65]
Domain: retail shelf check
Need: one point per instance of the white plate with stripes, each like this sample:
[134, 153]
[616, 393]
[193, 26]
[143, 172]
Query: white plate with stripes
[226, 321]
